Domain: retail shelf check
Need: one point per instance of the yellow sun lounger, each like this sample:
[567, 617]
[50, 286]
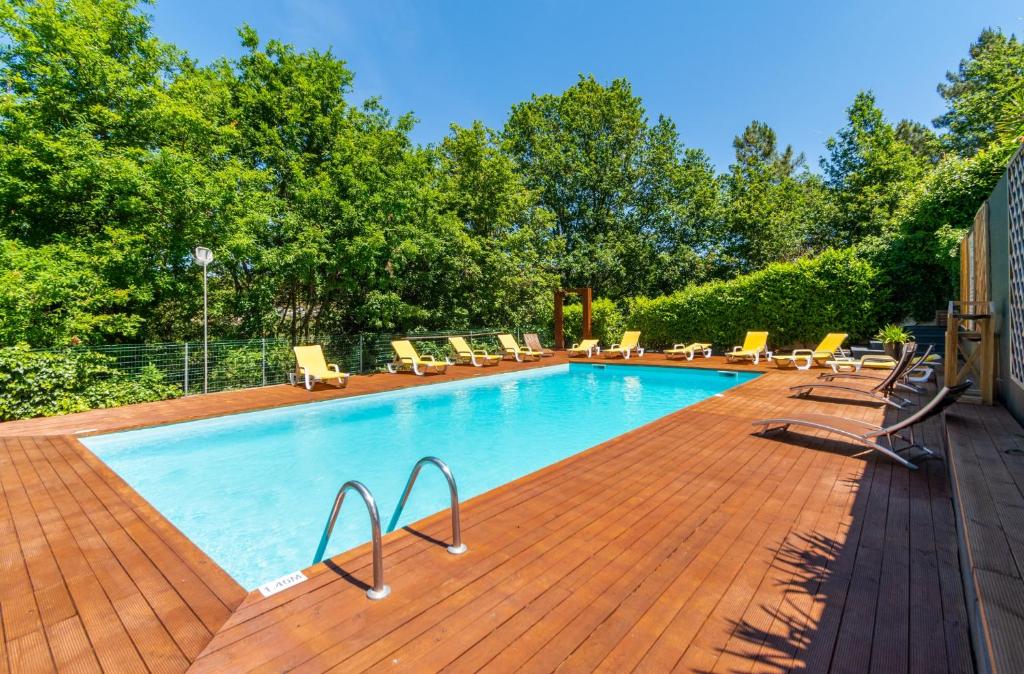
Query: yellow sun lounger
[803, 359]
[630, 343]
[754, 346]
[311, 366]
[465, 355]
[406, 358]
[688, 351]
[511, 348]
[588, 347]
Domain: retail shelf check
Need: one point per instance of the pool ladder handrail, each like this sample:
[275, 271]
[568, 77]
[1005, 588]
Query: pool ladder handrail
[457, 547]
[379, 589]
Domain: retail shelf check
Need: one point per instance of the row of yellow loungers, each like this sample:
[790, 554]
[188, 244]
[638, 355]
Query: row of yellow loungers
[629, 346]
[406, 357]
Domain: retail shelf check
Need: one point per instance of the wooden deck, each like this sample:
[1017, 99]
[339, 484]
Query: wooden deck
[986, 457]
[688, 544]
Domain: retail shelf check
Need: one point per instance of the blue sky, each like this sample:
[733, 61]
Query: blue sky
[711, 67]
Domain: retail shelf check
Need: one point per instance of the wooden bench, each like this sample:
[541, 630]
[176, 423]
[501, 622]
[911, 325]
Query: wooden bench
[985, 449]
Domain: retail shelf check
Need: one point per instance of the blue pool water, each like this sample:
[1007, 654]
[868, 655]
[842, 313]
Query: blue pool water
[254, 490]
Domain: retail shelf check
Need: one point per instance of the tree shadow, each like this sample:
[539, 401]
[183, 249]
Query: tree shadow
[821, 612]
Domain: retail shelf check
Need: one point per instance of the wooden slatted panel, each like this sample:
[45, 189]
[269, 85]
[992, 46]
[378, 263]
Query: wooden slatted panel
[965, 269]
[982, 286]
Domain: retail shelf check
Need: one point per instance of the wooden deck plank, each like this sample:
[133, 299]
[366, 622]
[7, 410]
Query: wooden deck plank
[688, 544]
[988, 485]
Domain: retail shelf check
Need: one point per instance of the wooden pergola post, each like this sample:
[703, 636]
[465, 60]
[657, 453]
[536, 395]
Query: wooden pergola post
[587, 295]
[559, 320]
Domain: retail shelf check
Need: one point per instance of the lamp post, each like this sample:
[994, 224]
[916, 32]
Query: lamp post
[204, 256]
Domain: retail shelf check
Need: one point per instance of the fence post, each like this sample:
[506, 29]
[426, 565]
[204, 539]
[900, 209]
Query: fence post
[186, 368]
[360, 353]
[263, 359]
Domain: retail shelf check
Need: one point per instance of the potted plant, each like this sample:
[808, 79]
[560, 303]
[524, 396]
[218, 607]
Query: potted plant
[893, 337]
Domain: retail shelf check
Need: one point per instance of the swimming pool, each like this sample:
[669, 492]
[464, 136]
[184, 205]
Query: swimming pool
[253, 490]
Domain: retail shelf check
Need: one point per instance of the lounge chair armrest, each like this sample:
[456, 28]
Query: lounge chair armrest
[679, 346]
[613, 347]
[480, 352]
[802, 352]
[428, 357]
[737, 348]
[334, 366]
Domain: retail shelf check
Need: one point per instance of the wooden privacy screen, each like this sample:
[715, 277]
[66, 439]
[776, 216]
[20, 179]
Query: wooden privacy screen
[974, 263]
[970, 338]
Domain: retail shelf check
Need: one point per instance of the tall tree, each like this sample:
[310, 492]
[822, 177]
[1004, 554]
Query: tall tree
[869, 170]
[981, 91]
[608, 175]
[772, 209]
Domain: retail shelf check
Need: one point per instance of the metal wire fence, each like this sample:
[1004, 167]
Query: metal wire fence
[247, 363]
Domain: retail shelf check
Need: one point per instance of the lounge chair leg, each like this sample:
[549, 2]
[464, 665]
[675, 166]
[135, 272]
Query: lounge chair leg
[309, 383]
[892, 455]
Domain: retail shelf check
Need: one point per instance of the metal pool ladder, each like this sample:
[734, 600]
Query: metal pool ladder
[457, 547]
[379, 589]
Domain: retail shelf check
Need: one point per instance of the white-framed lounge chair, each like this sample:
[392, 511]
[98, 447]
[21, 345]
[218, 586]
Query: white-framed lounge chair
[587, 347]
[884, 391]
[629, 345]
[878, 438]
[532, 340]
[803, 359]
[917, 372]
[510, 347]
[311, 367]
[406, 358]
[880, 361]
[466, 355]
[688, 351]
[755, 345]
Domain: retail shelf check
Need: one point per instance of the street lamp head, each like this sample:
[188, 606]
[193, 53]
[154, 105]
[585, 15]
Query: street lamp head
[203, 256]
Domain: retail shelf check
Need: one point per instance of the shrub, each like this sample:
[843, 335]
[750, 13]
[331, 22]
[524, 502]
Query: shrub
[607, 322]
[47, 383]
[796, 302]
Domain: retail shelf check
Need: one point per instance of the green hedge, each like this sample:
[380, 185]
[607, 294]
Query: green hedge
[607, 322]
[47, 383]
[796, 302]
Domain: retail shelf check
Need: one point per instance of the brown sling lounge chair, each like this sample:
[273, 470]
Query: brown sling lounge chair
[877, 438]
[532, 340]
[884, 391]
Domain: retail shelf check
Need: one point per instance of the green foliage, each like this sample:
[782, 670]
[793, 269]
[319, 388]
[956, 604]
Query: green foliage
[55, 294]
[869, 169]
[919, 261]
[893, 334]
[623, 194]
[119, 154]
[983, 91]
[773, 211]
[796, 302]
[61, 382]
[607, 322]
